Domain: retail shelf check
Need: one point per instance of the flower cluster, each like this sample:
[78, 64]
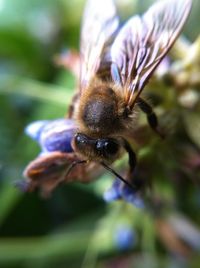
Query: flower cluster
[56, 157]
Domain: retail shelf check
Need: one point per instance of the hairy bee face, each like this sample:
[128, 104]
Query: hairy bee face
[107, 149]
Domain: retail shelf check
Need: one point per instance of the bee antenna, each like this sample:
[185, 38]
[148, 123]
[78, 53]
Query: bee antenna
[73, 165]
[118, 176]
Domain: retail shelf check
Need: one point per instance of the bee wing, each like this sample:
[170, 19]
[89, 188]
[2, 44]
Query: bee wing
[100, 22]
[143, 42]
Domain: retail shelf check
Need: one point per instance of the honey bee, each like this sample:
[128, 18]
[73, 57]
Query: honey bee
[116, 65]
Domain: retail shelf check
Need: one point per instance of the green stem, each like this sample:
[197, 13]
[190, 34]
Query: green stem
[11, 84]
[67, 245]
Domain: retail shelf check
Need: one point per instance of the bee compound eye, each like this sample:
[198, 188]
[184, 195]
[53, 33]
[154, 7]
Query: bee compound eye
[79, 139]
[111, 147]
[107, 147]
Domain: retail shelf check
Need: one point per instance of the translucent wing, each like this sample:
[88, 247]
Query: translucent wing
[143, 42]
[100, 22]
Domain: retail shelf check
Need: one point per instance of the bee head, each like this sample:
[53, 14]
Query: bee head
[103, 149]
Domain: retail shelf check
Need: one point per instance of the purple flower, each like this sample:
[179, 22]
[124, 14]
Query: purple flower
[124, 237]
[132, 197]
[54, 135]
[119, 190]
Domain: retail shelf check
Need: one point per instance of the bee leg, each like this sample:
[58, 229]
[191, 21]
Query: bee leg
[132, 166]
[132, 156]
[129, 181]
[151, 116]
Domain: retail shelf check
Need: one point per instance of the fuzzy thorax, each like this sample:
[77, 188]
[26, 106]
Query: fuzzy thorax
[102, 110]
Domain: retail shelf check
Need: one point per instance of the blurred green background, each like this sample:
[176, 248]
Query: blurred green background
[75, 227]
